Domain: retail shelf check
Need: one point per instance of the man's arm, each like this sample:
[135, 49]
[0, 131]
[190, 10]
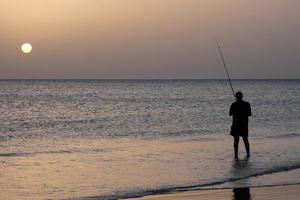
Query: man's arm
[249, 110]
[231, 110]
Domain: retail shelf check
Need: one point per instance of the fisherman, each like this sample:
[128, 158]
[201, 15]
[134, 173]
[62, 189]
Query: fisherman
[240, 111]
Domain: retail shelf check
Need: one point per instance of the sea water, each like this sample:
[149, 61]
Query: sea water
[110, 139]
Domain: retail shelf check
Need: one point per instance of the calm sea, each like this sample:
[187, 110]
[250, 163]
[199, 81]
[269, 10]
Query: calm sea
[81, 139]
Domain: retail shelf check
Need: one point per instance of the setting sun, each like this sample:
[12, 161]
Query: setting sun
[26, 48]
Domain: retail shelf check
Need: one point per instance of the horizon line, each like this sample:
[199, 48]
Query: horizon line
[146, 79]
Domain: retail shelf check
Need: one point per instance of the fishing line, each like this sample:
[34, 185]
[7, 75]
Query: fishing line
[225, 66]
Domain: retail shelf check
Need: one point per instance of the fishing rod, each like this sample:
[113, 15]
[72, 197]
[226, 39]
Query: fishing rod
[225, 66]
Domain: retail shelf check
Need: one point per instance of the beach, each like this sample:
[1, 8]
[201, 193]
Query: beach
[290, 192]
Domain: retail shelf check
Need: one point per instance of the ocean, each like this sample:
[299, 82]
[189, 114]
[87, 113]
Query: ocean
[114, 139]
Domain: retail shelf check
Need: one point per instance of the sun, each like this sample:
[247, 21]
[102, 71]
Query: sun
[26, 48]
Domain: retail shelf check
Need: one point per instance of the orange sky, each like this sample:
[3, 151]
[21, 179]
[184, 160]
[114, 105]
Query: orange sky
[149, 38]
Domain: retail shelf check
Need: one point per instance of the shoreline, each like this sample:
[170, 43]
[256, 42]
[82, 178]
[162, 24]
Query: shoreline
[269, 192]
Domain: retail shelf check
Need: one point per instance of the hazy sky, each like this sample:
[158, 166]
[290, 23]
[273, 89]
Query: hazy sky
[149, 38]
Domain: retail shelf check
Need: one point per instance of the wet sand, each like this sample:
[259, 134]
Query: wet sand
[290, 192]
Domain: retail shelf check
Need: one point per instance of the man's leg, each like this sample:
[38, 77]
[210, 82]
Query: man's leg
[247, 146]
[236, 146]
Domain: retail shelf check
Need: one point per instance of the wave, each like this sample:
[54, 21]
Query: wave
[21, 154]
[13, 154]
[204, 186]
[288, 135]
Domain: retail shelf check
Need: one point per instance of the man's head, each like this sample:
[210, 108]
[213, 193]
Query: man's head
[239, 96]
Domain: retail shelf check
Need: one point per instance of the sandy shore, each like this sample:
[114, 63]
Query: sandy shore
[291, 192]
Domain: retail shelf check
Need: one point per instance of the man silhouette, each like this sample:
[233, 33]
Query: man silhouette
[240, 111]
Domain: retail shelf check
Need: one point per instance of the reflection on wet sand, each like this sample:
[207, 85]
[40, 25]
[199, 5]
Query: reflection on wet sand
[241, 193]
[238, 169]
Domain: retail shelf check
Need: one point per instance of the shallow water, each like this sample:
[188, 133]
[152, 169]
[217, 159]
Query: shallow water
[113, 139]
